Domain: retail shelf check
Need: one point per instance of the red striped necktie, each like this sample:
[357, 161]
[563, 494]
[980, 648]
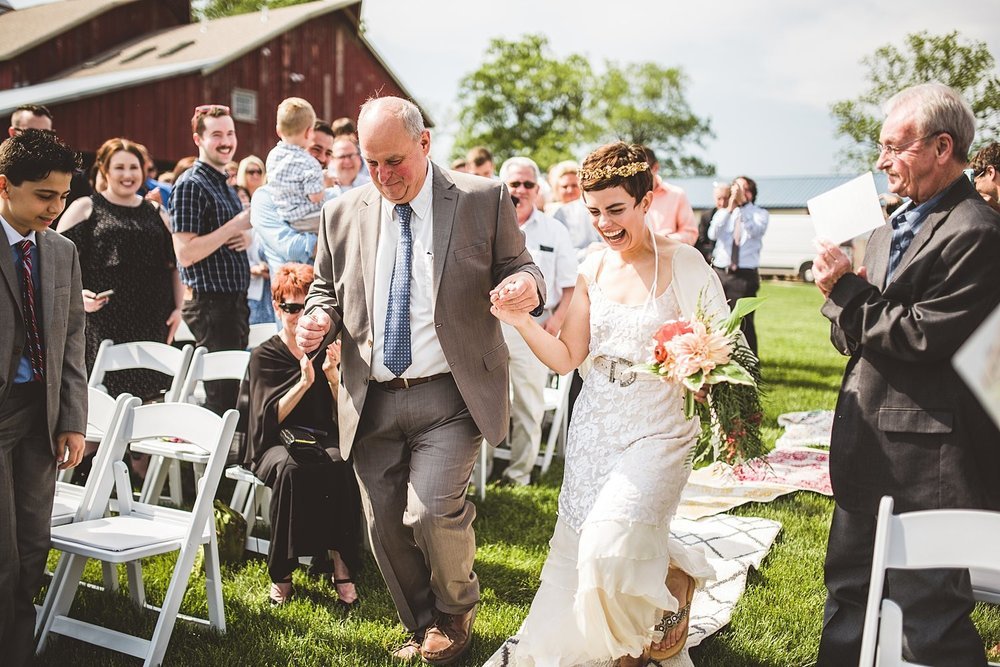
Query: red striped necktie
[36, 354]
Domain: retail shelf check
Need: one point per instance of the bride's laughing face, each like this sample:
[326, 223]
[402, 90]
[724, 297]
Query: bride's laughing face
[617, 217]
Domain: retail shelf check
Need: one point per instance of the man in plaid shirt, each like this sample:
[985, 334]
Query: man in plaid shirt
[209, 240]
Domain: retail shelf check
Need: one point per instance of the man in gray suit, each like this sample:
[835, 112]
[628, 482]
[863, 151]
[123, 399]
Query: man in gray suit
[43, 383]
[405, 267]
[906, 425]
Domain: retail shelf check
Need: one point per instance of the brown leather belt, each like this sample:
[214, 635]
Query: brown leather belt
[406, 383]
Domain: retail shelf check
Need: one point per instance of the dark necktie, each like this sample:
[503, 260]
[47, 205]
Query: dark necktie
[36, 353]
[734, 255]
[396, 349]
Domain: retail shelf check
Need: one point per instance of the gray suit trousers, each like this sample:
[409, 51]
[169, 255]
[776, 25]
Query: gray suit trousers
[413, 455]
[27, 487]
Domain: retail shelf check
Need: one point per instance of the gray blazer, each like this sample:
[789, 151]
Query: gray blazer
[63, 322]
[906, 425]
[477, 242]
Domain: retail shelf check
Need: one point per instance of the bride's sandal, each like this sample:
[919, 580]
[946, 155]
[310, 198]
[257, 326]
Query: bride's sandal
[281, 592]
[671, 621]
[629, 661]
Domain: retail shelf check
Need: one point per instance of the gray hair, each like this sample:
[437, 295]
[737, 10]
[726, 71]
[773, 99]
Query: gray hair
[514, 162]
[404, 110]
[936, 107]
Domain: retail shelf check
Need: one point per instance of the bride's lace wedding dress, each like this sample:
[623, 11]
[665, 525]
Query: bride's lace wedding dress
[603, 583]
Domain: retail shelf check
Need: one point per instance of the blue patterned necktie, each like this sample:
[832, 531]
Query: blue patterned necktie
[397, 317]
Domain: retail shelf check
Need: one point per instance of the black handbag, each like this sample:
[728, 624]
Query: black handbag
[303, 446]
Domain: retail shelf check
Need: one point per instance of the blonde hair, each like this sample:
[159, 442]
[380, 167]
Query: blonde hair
[295, 117]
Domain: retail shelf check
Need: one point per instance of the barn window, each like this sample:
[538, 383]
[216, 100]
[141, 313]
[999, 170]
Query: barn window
[245, 105]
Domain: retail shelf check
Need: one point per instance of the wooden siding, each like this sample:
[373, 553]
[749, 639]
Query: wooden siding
[158, 114]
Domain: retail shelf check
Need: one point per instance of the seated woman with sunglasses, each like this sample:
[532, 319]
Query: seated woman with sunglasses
[293, 448]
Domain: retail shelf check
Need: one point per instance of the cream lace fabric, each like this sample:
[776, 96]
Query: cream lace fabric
[603, 583]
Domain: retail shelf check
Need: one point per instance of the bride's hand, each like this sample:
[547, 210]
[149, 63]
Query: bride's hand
[515, 318]
[701, 395]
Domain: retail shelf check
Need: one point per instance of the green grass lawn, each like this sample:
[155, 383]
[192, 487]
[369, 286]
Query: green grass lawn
[777, 622]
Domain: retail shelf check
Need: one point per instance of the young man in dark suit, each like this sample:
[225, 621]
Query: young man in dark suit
[43, 382]
[906, 426]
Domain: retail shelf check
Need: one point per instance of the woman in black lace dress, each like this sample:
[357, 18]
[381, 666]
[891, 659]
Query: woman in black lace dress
[125, 246]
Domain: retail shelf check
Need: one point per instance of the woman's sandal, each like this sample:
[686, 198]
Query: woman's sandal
[281, 592]
[346, 606]
[671, 621]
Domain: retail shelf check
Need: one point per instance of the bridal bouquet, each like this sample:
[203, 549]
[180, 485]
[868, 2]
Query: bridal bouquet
[702, 354]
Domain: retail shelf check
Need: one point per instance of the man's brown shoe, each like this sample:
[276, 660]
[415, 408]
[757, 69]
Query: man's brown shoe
[448, 638]
[409, 651]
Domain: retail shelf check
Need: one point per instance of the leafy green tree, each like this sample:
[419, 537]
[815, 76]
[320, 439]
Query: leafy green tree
[644, 103]
[968, 67]
[214, 9]
[524, 101]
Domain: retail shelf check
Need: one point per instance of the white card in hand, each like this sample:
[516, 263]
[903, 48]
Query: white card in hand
[978, 362]
[847, 211]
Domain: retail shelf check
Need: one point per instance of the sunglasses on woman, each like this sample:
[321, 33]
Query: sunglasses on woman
[291, 308]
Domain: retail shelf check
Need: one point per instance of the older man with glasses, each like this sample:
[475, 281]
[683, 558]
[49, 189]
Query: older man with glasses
[906, 426]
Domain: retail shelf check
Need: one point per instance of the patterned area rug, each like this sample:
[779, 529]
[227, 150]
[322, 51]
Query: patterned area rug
[805, 429]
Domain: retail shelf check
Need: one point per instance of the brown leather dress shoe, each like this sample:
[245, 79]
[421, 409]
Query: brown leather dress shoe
[448, 638]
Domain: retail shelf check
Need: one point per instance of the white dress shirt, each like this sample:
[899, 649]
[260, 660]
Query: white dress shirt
[551, 247]
[426, 353]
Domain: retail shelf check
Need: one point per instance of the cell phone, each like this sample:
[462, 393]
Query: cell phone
[105, 294]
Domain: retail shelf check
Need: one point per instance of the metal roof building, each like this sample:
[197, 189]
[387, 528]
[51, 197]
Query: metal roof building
[773, 192]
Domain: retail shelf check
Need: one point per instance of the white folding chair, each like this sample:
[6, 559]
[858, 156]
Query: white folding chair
[149, 355]
[205, 366]
[252, 499]
[556, 403]
[261, 332]
[141, 530]
[925, 540]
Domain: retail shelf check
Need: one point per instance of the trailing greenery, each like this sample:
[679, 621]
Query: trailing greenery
[776, 623]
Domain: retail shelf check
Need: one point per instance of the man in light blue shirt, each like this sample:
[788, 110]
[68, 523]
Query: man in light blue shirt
[738, 231]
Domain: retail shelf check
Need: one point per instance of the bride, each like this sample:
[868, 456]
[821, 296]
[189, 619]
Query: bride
[614, 587]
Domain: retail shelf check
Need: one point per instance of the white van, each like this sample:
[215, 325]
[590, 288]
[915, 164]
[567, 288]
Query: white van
[788, 247]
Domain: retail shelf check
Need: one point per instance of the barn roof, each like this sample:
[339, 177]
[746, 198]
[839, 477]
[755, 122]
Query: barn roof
[201, 47]
[773, 192]
[27, 28]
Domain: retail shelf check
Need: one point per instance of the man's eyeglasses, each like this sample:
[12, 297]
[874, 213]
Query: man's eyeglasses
[894, 151]
[253, 172]
[528, 185]
[345, 156]
[211, 109]
[291, 308]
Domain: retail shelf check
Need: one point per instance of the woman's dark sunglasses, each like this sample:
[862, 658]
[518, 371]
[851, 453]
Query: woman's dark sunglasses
[291, 308]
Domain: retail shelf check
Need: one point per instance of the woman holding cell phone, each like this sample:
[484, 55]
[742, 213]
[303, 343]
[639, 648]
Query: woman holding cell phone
[132, 291]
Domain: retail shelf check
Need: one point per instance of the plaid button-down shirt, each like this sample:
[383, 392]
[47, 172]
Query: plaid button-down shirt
[905, 225]
[202, 202]
[293, 174]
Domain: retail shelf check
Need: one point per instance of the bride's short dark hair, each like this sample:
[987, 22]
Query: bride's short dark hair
[617, 164]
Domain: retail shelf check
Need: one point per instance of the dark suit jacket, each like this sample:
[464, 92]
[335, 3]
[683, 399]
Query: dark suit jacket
[63, 323]
[477, 242]
[906, 425]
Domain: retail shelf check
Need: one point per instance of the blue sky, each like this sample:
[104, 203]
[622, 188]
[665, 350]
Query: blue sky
[764, 72]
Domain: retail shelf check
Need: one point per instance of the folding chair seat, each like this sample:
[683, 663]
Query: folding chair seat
[929, 539]
[141, 530]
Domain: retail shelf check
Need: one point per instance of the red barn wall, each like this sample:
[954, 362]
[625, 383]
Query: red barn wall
[338, 73]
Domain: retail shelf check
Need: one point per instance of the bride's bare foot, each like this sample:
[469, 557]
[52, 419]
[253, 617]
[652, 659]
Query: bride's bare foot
[675, 627]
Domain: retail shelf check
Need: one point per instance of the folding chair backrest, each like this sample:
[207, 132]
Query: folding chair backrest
[100, 410]
[261, 332]
[143, 354]
[948, 538]
[97, 490]
[207, 366]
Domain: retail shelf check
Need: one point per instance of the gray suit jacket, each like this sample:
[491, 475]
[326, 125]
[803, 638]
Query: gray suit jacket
[477, 242]
[63, 322]
[906, 425]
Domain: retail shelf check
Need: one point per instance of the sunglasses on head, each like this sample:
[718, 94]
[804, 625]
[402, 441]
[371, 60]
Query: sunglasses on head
[291, 308]
[212, 108]
[529, 185]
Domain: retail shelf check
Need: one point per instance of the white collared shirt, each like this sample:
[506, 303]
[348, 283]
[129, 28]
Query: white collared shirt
[13, 236]
[427, 356]
[551, 247]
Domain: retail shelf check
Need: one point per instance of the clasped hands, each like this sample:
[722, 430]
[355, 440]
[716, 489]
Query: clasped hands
[515, 297]
[830, 264]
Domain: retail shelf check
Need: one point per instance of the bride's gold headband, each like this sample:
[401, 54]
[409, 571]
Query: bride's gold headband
[624, 171]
